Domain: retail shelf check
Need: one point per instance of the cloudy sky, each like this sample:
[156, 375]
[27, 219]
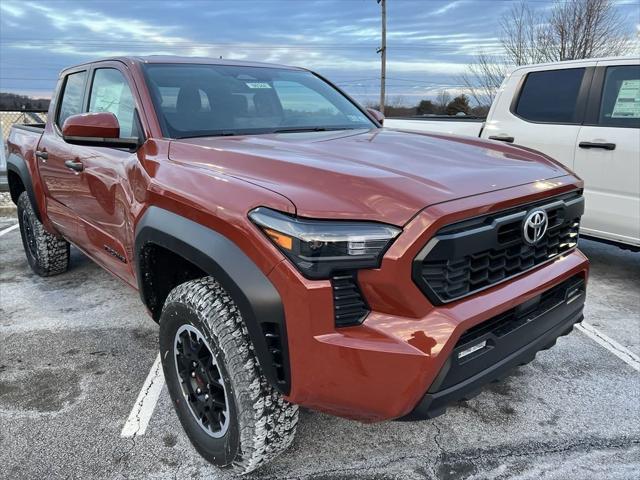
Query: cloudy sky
[429, 41]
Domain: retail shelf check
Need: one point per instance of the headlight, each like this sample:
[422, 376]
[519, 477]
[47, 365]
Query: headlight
[320, 247]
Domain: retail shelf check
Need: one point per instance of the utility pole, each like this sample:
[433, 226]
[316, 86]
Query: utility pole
[383, 53]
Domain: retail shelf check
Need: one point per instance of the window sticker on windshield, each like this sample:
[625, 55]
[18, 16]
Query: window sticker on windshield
[258, 85]
[628, 101]
[354, 118]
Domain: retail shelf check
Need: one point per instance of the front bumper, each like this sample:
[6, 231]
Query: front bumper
[489, 351]
[380, 370]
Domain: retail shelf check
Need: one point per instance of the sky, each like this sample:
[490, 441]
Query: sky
[429, 42]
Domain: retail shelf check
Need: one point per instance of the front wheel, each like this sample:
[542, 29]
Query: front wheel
[232, 416]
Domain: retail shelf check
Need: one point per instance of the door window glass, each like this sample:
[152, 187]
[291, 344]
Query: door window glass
[110, 92]
[550, 96]
[620, 105]
[71, 103]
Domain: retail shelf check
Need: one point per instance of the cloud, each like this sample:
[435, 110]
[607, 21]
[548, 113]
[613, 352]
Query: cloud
[445, 8]
[11, 9]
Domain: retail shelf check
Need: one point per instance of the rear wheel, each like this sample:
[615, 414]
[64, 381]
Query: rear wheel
[47, 254]
[233, 417]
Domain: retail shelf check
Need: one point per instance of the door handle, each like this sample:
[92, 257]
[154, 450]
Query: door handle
[604, 146]
[74, 165]
[501, 138]
[42, 155]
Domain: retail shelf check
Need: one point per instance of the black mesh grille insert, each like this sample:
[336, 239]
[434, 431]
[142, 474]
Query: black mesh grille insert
[271, 332]
[474, 255]
[348, 303]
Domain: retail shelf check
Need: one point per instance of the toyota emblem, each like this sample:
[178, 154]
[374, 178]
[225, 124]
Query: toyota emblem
[535, 226]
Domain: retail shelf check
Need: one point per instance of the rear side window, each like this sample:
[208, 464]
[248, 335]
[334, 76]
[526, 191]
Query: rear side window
[71, 103]
[620, 105]
[550, 96]
[110, 92]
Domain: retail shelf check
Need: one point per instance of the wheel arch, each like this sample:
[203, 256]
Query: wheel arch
[19, 180]
[216, 255]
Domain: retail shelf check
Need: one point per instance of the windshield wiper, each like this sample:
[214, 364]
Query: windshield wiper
[309, 129]
[223, 133]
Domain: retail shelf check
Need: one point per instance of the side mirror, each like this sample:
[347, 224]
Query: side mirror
[99, 129]
[377, 115]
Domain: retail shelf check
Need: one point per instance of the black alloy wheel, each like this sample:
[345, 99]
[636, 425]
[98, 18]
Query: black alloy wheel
[201, 381]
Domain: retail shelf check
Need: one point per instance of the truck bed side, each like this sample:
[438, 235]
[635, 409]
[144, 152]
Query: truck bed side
[22, 173]
[456, 126]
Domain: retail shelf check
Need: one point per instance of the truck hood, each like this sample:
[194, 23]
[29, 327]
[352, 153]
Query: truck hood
[378, 174]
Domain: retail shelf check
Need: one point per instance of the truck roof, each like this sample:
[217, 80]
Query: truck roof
[128, 60]
[571, 63]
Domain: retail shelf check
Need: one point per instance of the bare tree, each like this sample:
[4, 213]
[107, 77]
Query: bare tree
[483, 77]
[442, 100]
[572, 29]
[586, 29]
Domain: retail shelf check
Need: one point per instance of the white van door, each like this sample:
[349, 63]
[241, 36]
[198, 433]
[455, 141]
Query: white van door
[608, 153]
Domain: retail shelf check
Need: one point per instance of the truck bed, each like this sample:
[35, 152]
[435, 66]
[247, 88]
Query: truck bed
[22, 141]
[469, 126]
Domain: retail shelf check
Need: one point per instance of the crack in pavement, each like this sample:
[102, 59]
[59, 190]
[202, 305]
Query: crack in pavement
[480, 454]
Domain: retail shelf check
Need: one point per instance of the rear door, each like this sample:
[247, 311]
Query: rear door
[608, 153]
[60, 181]
[542, 109]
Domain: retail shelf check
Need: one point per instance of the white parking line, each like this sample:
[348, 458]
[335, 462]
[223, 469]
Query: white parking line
[614, 347]
[146, 402]
[7, 230]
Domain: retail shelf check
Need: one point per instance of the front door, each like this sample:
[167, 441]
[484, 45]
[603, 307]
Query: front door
[104, 200]
[607, 156]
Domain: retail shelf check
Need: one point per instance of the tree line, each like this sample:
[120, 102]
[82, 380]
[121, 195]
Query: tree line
[442, 104]
[15, 102]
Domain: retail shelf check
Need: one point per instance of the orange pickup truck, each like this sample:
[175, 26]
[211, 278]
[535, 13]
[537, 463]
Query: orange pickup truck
[294, 251]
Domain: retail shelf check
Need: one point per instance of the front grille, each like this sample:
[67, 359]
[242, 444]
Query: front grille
[469, 256]
[349, 305]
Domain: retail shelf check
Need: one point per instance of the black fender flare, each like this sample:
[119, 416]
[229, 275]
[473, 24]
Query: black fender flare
[258, 300]
[18, 165]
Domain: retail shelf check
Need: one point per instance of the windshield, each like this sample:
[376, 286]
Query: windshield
[207, 100]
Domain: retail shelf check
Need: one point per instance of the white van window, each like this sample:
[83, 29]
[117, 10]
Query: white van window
[620, 105]
[550, 96]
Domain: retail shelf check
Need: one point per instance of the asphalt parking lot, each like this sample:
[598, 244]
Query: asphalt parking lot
[76, 349]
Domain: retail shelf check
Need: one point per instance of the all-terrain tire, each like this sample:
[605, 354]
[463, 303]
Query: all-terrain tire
[47, 254]
[262, 423]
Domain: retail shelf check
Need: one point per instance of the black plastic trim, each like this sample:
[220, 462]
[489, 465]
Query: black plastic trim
[608, 241]
[345, 288]
[559, 321]
[256, 297]
[18, 165]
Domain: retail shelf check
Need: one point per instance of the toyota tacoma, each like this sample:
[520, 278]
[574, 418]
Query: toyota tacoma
[293, 251]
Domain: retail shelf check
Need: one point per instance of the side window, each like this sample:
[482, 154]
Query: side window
[71, 103]
[620, 104]
[550, 96]
[110, 92]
